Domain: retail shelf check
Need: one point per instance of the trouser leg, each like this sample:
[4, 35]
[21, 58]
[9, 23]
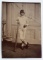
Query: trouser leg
[23, 35]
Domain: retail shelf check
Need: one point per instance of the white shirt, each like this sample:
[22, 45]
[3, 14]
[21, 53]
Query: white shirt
[23, 20]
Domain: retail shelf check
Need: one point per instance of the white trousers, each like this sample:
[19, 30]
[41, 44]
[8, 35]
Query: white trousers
[22, 34]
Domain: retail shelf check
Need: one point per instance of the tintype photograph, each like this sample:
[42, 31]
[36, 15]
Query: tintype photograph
[21, 30]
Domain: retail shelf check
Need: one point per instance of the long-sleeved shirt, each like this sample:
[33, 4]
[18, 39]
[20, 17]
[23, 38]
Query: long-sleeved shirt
[22, 21]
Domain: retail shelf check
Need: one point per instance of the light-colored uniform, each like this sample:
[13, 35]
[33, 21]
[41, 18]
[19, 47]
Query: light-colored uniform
[22, 31]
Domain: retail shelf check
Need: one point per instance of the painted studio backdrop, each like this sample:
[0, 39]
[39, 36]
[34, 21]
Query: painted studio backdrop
[10, 12]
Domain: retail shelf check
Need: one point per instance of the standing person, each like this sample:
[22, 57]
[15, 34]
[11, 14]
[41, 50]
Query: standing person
[23, 23]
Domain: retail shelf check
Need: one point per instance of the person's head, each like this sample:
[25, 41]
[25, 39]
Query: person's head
[22, 12]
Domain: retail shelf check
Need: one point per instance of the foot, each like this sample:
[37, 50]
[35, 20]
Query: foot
[22, 46]
[27, 45]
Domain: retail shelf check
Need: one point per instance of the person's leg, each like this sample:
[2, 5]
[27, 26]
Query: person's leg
[22, 38]
[25, 35]
[26, 43]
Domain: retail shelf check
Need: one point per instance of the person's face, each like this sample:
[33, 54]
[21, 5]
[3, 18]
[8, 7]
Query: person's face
[22, 14]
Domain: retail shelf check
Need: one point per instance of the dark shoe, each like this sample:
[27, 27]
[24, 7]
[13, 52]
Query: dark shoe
[27, 45]
[22, 47]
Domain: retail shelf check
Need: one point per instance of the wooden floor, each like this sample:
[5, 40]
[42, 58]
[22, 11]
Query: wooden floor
[33, 51]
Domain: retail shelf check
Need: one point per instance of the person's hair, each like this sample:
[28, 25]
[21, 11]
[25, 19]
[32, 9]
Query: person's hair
[22, 11]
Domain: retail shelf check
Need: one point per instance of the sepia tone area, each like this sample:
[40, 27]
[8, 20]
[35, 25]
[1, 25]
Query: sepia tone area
[12, 49]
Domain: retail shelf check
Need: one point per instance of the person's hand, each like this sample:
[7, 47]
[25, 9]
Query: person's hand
[25, 26]
[18, 23]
